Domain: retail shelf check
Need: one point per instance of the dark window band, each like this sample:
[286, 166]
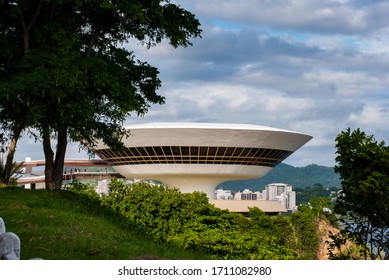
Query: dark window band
[193, 155]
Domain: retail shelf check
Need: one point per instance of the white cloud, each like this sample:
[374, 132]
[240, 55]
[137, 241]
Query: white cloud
[312, 66]
[325, 16]
[346, 84]
[373, 115]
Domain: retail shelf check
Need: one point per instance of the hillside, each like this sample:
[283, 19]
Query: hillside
[59, 225]
[298, 177]
[63, 225]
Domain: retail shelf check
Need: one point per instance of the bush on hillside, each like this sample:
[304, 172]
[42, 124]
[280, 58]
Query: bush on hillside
[82, 189]
[188, 220]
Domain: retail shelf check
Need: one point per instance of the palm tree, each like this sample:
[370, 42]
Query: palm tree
[14, 174]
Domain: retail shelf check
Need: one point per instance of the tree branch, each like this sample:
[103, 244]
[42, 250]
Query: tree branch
[92, 42]
[27, 28]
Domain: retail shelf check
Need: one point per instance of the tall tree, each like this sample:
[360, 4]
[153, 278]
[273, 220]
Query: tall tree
[362, 164]
[65, 73]
[8, 138]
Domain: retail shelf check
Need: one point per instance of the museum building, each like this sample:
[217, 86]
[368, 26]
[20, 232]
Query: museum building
[199, 156]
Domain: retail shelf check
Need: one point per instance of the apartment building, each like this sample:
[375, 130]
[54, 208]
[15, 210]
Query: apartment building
[280, 192]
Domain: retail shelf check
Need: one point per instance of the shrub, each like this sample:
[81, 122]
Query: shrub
[82, 189]
[305, 232]
[189, 221]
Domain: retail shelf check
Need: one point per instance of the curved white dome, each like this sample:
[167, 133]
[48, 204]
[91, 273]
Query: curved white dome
[199, 156]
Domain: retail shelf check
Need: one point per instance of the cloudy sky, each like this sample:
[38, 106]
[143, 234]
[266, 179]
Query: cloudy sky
[316, 67]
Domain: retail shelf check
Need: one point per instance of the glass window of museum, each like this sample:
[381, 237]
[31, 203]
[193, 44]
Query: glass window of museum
[193, 155]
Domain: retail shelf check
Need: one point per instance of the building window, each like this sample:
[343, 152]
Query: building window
[194, 155]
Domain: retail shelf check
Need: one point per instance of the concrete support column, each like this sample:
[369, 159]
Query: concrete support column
[28, 172]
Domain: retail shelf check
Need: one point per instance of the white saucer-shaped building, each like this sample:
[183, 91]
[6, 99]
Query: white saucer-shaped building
[199, 156]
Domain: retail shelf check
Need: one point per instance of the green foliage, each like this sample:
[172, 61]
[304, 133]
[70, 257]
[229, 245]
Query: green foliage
[65, 73]
[159, 210]
[322, 209]
[83, 190]
[362, 164]
[14, 174]
[172, 219]
[342, 246]
[307, 240]
[318, 204]
[232, 236]
[189, 221]
[304, 195]
[117, 192]
[63, 225]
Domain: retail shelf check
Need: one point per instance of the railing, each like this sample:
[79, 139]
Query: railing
[72, 176]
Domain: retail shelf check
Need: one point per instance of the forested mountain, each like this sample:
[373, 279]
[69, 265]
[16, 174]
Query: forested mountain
[298, 177]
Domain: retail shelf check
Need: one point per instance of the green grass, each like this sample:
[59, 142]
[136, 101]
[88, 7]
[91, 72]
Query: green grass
[60, 225]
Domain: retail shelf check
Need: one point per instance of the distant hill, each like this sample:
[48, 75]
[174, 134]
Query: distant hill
[298, 177]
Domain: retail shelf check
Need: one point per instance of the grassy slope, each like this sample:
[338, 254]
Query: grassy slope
[60, 225]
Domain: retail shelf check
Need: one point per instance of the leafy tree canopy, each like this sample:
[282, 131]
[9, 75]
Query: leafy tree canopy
[362, 164]
[304, 195]
[64, 70]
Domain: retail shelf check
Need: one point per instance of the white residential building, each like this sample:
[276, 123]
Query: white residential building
[283, 193]
[288, 200]
[280, 192]
[248, 195]
[224, 194]
[275, 189]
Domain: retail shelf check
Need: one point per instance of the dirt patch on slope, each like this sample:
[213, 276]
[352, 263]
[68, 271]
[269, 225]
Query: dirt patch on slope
[324, 231]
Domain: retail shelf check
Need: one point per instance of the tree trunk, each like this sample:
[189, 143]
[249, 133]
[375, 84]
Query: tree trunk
[54, 165]
[17, 130]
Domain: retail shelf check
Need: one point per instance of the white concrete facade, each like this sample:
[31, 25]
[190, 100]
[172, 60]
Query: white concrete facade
[208, 134]
[247, 152]
[283, 193]
[192, 177]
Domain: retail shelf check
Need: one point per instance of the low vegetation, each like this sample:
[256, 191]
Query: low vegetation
[190, 222]
[61, 225]
[148, 220]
